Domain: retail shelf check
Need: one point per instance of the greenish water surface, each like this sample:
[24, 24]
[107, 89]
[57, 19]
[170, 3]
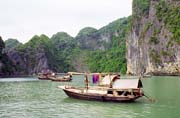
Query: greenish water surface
[32, 98]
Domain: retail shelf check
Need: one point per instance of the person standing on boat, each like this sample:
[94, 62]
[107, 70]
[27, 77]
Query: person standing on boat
[86, 81]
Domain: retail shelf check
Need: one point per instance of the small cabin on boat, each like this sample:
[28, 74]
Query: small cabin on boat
[125, 87]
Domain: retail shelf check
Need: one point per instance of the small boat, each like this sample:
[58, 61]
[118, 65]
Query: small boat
[45, 74]
[66, 78]
[110, 89]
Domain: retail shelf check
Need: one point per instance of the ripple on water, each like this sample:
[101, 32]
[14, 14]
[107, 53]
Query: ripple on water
[42, 99]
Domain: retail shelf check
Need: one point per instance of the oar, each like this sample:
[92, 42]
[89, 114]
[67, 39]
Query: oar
[150, 98]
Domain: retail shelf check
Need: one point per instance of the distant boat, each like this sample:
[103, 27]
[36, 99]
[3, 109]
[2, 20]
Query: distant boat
[111, 89]
[66, 78]
[54, 77]
[42, 76]
[45, 74]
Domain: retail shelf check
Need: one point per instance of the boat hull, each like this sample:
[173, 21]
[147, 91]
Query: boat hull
[99, 97]
[83, 96]
[62, 80]
[43, 78]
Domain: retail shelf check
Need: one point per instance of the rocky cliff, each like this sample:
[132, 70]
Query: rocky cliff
[153, 43]
[31, 57]
[101, 39]
[42, 52]
[7, 67]
[103, 50]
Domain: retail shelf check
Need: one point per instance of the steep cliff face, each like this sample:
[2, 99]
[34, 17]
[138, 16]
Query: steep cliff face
[153, 43]
[31, 57]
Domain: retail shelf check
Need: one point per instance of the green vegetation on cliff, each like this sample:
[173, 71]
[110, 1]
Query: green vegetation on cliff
[87, 38]
[170, 15]
[86, 31]
[32, 52]
[112, 59]
[41, 52]
[11, 43]
[64, 48]
[140, 8]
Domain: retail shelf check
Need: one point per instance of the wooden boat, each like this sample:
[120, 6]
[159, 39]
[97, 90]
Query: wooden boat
[42, 76]
[45, 74]
[66, 78]
[54, 77]
[121, 90]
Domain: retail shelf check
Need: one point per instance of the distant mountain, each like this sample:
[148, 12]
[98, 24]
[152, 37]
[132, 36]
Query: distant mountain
[86, 38]
[63, 53]
[31, 57]
[92, 39]
[12, 43]
[7, 67]
[41, 52]
[61, 36]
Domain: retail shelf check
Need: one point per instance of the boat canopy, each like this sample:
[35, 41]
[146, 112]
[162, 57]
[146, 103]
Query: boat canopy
[127, 84]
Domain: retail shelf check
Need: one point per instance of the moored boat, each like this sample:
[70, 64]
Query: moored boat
[66, 78]
[119, 90]
[45, 74]
[42, 76]
[49, 75]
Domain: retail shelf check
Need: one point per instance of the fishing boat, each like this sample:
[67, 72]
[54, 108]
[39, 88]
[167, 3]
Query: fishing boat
[110, 89]
[49, 75]
[66, 78]
[45, 76]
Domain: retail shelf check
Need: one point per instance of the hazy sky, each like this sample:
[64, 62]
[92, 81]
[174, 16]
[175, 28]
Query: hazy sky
[22, 19]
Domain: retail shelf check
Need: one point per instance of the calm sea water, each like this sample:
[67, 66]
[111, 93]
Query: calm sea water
[32, 98]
